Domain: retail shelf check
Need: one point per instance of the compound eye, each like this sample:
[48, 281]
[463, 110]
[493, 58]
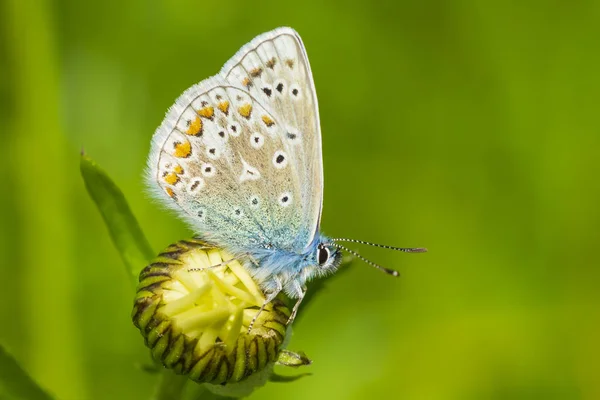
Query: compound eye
[322, 255]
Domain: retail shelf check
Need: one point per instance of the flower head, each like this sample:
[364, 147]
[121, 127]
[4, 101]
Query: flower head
[195, 317]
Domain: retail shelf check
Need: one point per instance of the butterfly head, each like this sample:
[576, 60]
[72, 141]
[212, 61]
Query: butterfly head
[277, 269]
[325, 257]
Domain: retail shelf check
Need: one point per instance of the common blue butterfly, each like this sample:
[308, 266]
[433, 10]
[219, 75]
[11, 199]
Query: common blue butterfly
[238, 156]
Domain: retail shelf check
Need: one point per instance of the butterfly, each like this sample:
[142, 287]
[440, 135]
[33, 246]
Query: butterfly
[238, 156]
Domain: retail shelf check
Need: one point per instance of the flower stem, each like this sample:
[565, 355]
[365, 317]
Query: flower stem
[170, 386]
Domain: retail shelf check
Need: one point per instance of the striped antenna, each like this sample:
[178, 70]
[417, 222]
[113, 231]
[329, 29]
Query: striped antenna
[383, 246]
[371, 263]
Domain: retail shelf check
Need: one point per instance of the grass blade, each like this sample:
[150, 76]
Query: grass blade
[16, 382]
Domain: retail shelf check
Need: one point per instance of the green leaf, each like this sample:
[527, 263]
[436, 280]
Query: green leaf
[124, 229]
[16, 382]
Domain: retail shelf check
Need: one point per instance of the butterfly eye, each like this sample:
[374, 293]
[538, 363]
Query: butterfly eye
[322, 255]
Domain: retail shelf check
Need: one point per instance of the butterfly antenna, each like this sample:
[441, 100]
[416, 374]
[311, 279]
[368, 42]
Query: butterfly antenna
[371, 263]
[383, 246]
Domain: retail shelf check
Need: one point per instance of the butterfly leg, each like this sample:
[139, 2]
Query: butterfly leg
[301, 293]
[270, 297]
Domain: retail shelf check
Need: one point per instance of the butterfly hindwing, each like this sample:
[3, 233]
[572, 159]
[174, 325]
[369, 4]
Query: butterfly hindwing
[245, 164]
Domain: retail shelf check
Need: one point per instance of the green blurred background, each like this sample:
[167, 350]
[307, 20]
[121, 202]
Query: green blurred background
[468, 127]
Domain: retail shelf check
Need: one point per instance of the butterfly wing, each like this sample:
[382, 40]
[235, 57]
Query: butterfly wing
[243, 159]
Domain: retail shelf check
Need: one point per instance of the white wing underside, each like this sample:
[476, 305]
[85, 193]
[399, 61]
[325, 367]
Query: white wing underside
[240, 152]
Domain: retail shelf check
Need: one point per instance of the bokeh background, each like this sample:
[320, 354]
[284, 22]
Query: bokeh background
[468, 127]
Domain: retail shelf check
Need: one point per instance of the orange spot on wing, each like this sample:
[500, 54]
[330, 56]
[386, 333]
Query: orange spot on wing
[290, 63]
[268, 121]
[178, 170]
[195, 127]
[246, 82]
[182, 150]
[245, 110]
[256, 72]
[271, 63]
[224, 107]
[171, 178]
[170, 192]
[207, 112]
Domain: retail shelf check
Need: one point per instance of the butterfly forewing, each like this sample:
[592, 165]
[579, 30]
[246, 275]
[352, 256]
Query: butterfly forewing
[274, 68]
[240, 152]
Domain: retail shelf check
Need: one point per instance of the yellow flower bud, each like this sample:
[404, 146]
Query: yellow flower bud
[195, 317]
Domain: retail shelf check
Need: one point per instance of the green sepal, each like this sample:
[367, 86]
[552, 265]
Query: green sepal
[291, 359]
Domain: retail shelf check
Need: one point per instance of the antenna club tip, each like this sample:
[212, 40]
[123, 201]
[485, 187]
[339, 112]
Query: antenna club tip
[420, 250]
[395, 273]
